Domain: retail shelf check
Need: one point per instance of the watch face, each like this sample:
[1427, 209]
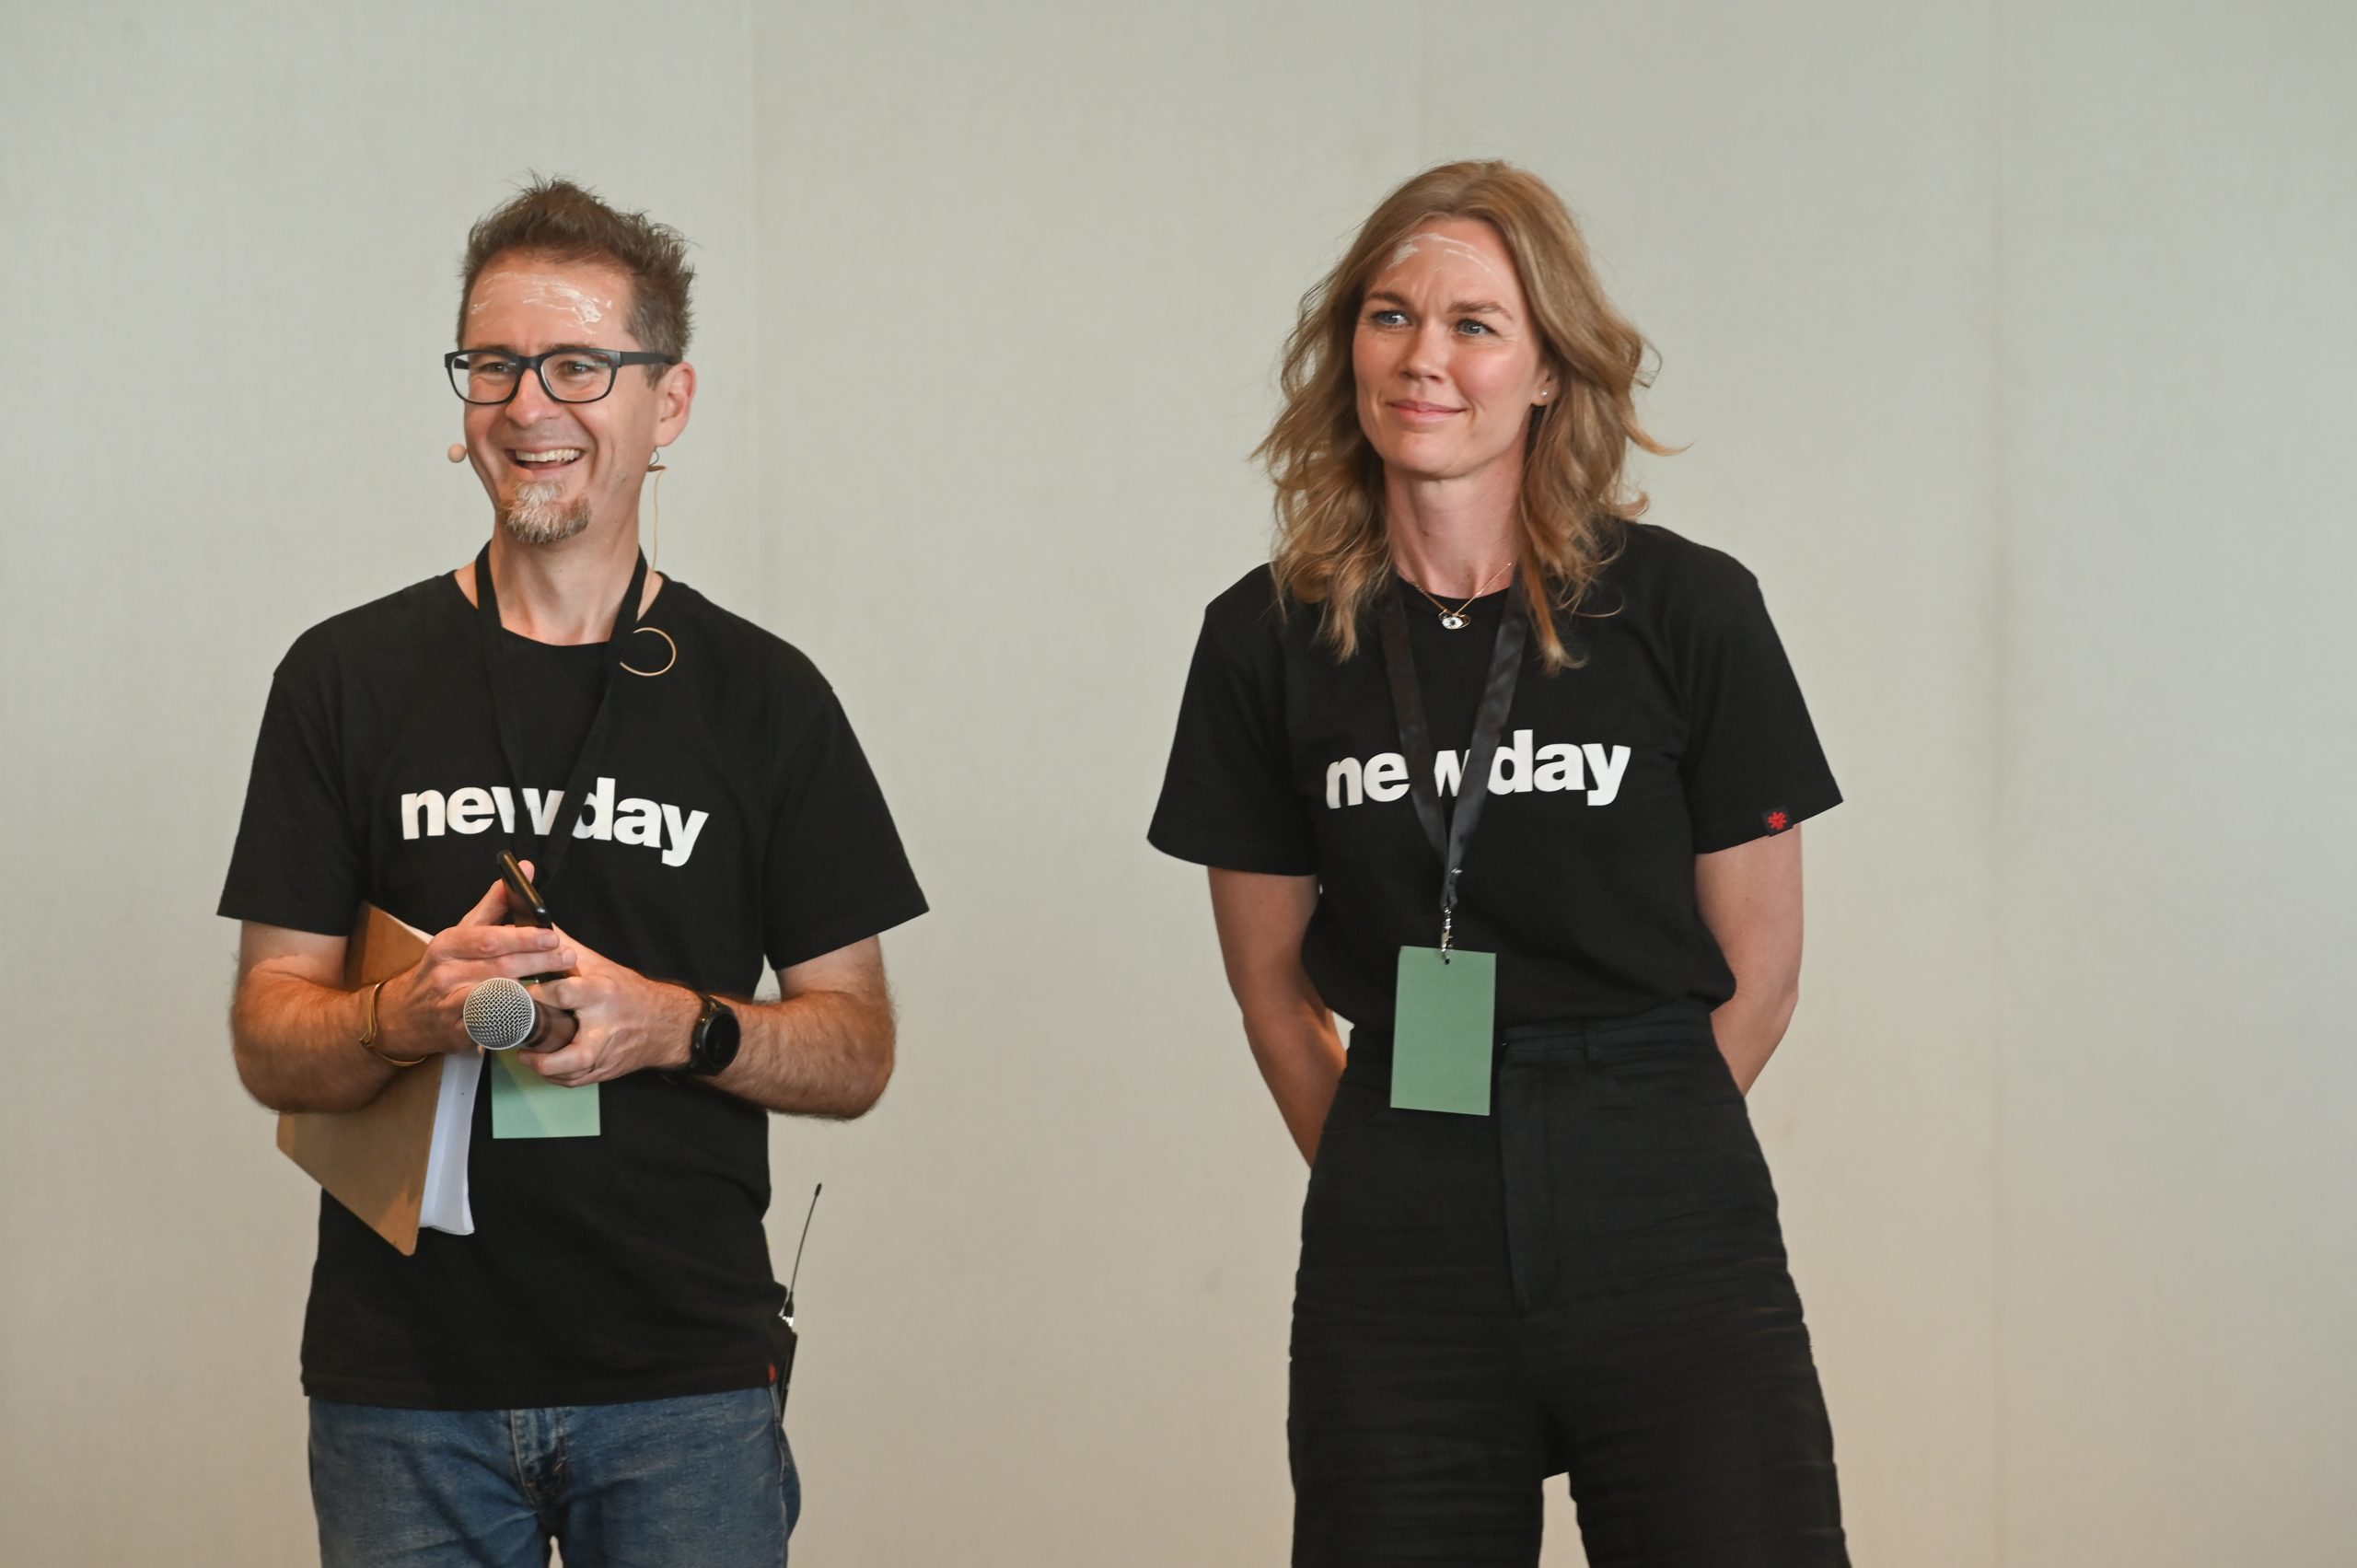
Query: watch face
[717, 1037]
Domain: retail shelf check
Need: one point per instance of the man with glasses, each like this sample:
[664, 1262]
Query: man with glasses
[597, 1360]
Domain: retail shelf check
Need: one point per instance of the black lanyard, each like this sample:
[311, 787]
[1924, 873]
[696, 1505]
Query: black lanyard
[505, 708]
[1415, 739]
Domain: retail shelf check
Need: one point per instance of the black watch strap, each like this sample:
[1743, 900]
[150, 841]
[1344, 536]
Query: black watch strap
[718, 1035]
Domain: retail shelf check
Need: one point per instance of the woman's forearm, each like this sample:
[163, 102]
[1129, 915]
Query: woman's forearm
[1261, 919]
[1749, 1024]
[1300, 1056]
[1750, 898]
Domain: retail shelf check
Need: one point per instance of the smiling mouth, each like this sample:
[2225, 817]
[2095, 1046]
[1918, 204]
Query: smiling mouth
[555, 457]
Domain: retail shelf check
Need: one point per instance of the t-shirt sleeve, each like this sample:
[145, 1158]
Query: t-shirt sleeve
[1227, 800]
[1752, 765]
[835, 872]
[296, 863]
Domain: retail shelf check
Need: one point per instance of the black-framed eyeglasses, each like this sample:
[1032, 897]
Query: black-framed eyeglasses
[567, 375]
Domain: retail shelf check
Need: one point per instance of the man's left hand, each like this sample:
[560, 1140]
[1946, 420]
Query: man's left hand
[627, 1022]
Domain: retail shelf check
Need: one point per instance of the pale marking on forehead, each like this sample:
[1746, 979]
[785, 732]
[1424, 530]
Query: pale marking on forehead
[547, 291]
[1446, 244]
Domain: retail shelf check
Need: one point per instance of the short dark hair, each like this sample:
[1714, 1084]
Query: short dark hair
[564, 221]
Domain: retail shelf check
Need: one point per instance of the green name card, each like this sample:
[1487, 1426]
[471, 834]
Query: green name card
[1443, 1017]
[525, 1105]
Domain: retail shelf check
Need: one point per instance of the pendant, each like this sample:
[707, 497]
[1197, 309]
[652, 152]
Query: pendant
[1453, 621]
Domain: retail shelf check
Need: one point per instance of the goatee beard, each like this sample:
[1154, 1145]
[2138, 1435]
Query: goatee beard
[537, 516]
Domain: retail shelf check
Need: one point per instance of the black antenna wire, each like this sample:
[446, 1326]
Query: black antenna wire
[782, 1369]
[794, 1278]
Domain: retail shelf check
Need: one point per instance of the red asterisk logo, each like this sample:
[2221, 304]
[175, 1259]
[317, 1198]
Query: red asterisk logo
[1778, 822]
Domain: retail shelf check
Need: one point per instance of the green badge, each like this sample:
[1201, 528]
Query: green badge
[525, 1105]
[1441, 1022]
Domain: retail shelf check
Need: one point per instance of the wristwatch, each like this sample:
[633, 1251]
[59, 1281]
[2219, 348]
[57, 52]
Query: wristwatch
[717, 1034]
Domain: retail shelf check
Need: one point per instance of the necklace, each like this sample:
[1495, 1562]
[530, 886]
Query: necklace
[1454, 619]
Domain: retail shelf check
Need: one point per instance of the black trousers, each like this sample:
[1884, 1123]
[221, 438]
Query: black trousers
[1590, 1281]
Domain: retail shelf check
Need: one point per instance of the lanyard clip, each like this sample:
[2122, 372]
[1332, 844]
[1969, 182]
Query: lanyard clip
[1448, 909]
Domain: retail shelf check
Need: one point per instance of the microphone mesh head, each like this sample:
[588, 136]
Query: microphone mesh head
[499, 1015]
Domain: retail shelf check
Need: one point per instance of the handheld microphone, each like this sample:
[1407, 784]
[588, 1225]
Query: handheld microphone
[457, 453]
[501, 1015]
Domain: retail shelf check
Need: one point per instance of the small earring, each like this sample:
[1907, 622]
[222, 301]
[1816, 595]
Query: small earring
[654, 462]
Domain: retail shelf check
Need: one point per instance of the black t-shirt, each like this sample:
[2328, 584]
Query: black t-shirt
[733, 819]
[1682, 733]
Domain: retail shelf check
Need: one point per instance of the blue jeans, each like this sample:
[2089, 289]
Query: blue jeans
[706, 1479]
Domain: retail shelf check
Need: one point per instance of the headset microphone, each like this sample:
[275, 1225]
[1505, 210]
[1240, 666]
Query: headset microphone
[457, 453]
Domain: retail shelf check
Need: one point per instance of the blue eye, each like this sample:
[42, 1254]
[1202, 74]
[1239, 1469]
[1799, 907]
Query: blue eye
[1386, 318]
[1470, 325]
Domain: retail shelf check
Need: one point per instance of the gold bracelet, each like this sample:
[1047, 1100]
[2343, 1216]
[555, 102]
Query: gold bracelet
[368, 1033]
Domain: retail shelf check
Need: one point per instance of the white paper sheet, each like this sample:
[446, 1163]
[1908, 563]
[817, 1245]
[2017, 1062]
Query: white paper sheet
[446, 1206]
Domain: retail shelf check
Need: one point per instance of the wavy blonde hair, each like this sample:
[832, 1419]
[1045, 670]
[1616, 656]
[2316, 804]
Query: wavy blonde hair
[1331, 547]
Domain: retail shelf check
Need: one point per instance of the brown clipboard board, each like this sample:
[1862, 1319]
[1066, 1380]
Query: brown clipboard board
[373, 1160]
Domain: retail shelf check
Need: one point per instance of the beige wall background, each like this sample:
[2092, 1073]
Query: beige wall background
[2012, 344]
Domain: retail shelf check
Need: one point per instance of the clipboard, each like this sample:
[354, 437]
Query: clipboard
[373, 1160]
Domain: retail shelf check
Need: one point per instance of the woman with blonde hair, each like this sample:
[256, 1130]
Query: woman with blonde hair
[1512, 781]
